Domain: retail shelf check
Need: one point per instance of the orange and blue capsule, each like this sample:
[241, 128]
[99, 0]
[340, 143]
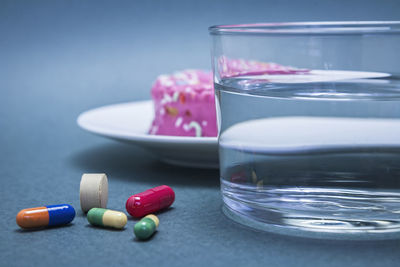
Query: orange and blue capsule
[53, 215]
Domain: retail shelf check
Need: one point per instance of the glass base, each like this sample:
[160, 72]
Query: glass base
[274, 221]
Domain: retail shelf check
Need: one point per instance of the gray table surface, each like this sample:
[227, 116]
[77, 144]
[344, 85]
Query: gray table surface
[60, 58]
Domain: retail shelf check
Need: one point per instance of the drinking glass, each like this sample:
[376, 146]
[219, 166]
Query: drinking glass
[309, 126]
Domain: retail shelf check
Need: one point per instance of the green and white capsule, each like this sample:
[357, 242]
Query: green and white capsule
[107, 218]
[146, 227]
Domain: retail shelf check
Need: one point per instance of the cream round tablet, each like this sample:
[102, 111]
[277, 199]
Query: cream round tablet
[93, 191]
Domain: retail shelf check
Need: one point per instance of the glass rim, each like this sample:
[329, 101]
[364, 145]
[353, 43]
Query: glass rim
[317, 27]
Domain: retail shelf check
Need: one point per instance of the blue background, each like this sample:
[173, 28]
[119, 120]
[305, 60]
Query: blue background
[60, 58]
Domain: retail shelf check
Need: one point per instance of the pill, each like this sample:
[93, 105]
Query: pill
[150, 201]
[93, 191]
[107, 218]
[52, 215]
[146, 227]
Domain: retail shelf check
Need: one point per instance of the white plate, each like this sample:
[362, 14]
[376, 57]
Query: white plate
[299, 135]
[322, 76]
[130, 122]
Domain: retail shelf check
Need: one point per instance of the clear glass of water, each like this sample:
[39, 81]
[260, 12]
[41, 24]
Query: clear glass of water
[309, 126]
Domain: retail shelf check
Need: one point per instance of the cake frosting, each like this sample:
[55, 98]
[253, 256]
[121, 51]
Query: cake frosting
[239, 67]
[184, 104]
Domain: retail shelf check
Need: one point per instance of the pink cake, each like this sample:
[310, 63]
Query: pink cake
[184, 104]
[184, 101]
[240, 67]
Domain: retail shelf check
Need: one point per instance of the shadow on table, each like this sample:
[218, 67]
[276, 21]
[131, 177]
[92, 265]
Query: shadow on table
[354, 246]
[40, 229]
[130, 163]
[102, 228]
[312, 248]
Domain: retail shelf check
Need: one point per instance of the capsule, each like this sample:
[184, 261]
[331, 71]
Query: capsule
[107, 218]
[146, 227]
[150, 201]
[52, 215]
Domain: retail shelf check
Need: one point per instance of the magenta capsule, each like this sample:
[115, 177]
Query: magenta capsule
[150, 201]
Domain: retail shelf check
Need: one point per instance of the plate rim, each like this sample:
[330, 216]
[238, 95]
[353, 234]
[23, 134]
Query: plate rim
[144, 138]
